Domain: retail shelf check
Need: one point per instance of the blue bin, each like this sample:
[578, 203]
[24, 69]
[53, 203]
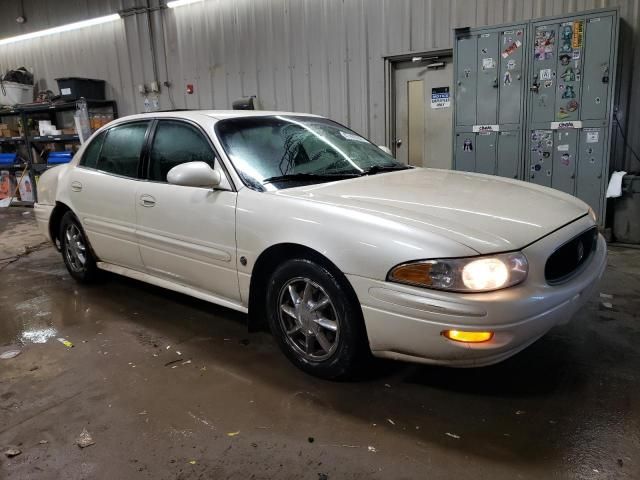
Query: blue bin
[8, 158]
[56, 158]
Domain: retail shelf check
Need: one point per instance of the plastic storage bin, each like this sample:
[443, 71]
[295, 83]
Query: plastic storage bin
[15, 93]
[56, 158]
[72, 88]
[7, 158]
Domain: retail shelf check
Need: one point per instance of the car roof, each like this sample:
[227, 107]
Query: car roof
[214, 114]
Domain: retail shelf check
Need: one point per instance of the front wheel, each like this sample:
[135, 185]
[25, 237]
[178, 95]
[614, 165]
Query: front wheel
[317, 324]
[76, 251]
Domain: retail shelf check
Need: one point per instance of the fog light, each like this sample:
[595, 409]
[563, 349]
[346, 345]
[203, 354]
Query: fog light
[468, 337]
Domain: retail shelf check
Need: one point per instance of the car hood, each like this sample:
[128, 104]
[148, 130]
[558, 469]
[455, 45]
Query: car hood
[486, 213]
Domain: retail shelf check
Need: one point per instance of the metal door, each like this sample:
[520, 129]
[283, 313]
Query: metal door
[543, 73]
[487, 99]
[511, 75]
[466, 76]
[508, 154]
[540, 157]
[466, 151]
[423, 112]
[564, 160]
[590, 162]
[569, 69]
[597, 73]
[486, 152]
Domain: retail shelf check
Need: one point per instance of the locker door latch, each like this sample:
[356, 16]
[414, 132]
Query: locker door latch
[495, 82]
[605, 75]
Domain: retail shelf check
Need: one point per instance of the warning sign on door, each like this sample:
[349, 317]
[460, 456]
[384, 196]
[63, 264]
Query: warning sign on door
[440, 97]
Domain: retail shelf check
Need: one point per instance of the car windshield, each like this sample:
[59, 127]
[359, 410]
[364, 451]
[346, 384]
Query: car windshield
[283, 151]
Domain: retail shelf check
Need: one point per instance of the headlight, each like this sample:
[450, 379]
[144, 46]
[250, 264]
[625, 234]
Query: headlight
[475, 274]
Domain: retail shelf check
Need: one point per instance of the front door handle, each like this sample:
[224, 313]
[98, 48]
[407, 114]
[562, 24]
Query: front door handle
[76, 186]
[147, 200]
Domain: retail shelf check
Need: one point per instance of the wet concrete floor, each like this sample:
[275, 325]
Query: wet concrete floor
[172, 387]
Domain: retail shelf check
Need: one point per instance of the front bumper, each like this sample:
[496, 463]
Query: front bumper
[405, 323]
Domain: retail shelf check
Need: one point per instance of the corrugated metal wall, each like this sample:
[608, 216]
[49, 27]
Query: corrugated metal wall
[319, 56]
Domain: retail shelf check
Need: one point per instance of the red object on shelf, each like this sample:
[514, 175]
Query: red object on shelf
[189, 88]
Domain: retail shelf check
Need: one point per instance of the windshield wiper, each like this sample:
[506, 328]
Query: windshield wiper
[382, 168]
[309, 176]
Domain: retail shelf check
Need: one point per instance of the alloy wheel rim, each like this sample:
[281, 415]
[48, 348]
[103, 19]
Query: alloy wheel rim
[75, 248]
[308, 319]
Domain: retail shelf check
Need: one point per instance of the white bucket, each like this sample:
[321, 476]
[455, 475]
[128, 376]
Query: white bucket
[14, 93]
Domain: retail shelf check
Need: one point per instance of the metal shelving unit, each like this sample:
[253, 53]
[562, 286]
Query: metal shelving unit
[27, 142]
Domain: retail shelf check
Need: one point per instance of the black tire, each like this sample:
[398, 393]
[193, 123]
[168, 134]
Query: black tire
[78, 249]
[349, 348]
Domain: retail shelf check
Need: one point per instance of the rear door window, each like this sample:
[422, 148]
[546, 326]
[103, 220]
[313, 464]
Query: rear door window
[121, 150]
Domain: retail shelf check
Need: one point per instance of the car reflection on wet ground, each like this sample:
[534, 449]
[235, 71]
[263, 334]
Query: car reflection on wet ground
[171, 387]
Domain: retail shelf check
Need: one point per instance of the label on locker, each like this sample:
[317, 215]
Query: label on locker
[592, 135]
[578, 34]
[486, 128]
[567, 124]
[544, 43]
[488, 63]
[511, 48]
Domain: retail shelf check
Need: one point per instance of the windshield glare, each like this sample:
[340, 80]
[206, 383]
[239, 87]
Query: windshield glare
[265, 147]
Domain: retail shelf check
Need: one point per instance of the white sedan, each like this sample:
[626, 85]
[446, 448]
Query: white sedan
[304, 224]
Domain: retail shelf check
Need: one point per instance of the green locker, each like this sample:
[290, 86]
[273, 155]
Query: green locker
[490, 96]
[466, 80]
[597, 68]
[591, 155]
[541, 157]
[486, 152]
[564, 160]
[535, 100]
[465, 151]
[508, 152]
[571, 69]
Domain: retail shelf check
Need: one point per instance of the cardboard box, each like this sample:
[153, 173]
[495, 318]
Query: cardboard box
[7, 132]
[25, 187]
[7, 184]
[4, 126]
[69, 131]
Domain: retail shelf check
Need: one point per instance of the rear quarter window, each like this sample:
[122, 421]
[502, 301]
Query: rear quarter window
[92, 152]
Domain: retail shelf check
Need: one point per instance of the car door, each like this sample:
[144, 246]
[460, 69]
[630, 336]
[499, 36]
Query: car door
[187, 234]
[103, 192]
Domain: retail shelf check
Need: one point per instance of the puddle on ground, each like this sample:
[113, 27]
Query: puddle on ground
[35, 304]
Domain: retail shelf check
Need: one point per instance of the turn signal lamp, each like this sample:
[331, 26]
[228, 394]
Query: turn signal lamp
[467, 337]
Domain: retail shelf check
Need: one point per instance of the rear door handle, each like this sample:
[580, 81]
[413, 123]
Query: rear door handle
[147, 200]
[76, 186]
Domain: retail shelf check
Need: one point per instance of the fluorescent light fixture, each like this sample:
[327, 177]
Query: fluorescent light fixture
[63, 28]
[180, 3]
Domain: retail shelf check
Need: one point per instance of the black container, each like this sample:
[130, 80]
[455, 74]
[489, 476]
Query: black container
[72, 88]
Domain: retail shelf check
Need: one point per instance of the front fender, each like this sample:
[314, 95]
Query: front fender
[358, 242]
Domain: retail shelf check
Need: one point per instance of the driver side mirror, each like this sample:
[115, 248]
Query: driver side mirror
[385, 149]
[194, 174]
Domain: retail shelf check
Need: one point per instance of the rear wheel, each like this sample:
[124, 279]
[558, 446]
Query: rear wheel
[76, 252]
[315, 321]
